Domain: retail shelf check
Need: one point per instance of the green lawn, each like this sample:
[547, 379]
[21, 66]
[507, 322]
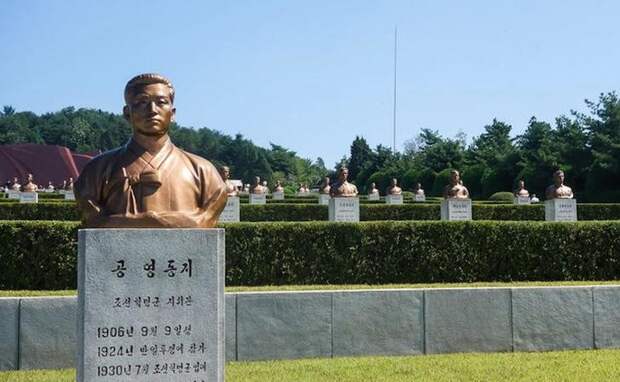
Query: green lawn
[589, 365]
[268, 288]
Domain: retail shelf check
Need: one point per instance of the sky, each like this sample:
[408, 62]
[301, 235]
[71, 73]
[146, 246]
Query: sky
[313, 75]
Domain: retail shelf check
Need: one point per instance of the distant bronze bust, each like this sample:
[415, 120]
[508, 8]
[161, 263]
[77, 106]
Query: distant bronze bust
[342, 188]
[257, 187]
[278, 187]
[16, 186]
[69, 185]
[373, 189]
[30, 186]
[455, 190]
[418, 190]
[325, 187]
[231, 190]
[558, 190]
[394, 189]
[521, 191]
[149, 182]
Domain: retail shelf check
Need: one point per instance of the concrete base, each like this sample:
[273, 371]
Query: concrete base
[561, 210]
[456, 209]
[344, 210]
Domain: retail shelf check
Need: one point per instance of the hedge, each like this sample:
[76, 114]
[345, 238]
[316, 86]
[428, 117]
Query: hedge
[42, 255]
[316, 212]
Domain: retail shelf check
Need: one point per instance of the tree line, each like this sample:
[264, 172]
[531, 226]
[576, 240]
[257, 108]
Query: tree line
[585, 145]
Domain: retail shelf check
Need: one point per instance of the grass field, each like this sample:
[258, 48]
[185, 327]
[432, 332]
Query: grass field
[589, 365]
[271, 288]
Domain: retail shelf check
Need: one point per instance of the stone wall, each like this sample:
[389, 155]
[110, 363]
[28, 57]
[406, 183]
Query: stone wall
[39, 333]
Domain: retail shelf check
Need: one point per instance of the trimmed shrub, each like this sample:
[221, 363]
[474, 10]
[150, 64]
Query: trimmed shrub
[503, 196]
[369, 211]
[42, 255]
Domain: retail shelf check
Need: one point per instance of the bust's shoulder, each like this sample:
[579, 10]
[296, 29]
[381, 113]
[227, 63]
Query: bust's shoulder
[103, 159]
[197, 161]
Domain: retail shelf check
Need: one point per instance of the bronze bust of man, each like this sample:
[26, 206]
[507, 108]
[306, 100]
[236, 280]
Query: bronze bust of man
[30, 186]
[278, 187]
[558, 190]
[325, 187]
[394, 189]
[257, 187]
[231, 190]
[342, 187]
[149, 182]
[521, 191]
[455, 190]
[373, 189]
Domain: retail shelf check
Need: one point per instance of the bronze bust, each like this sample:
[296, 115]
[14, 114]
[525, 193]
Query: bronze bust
[257, 187]
[30, 186]
[278, 187]
[149, 182]
[521, 191]
[455, 190]
[394, 189]
[16, 186]
[558, 190]
[342, 187]
[373, 189]
[325, 187]
[231, 190]
[418, 190]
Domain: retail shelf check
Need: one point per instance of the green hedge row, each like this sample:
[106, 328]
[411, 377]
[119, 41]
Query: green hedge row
[42, 255]
[316, 212]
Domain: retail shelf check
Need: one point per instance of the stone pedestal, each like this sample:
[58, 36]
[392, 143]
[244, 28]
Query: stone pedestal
[258, 199]
[374, 197]
[150, 305]
[394, 199]
[232, 211]
[456, 209]
[13, 195]
[324, 199]
[419, 198]
[522, 200]
[561, 210]
[28, 197]
[278, 195]
[344, 209]
[69, 195]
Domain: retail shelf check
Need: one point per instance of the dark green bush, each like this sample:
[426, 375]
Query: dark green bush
[502, 196]
[42, 255]
[316, 212]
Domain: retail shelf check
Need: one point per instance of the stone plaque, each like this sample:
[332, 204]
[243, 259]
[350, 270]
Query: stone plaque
[278, 195]
[324, 199]
[344, 209]
[419, 198]
[150, 305]
[561, 210]
[69, 195]
[258, 199]
[394, 199]
[13, 194]
[28, 197]
[232, 211]
[523, 200]
[456, 209]
[374, 197]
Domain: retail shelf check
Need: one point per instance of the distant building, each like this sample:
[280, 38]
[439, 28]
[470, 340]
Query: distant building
[45, 162]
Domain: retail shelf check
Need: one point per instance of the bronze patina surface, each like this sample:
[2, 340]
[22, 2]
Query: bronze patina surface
[231, 190]
[278, 187]
[257, 187]
[558, 190]
[521, 191]
[373, 189]
[418, 190]
[149, 182]
[394, 189]
[30, 186]
[325, 187]
[455, 190]
[342, 188]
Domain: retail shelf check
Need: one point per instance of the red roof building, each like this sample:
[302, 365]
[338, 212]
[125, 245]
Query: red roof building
[45, 162]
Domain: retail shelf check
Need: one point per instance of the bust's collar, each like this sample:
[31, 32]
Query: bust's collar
[154, 160]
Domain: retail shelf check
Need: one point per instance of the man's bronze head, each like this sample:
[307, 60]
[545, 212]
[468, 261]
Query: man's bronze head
[149, 104]
[343, 174]
[225, 172]
[455, 177]
[558, 177]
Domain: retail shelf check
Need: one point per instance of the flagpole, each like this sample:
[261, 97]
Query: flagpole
[394, 99]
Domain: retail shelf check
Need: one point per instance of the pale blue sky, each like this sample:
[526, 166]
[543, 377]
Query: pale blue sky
[312, 75]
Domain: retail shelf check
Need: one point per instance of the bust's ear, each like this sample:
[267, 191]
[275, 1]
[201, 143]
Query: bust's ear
[174, 113]
[126, 113]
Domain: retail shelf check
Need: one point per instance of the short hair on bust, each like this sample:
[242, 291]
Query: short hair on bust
[146, 79]
[558, 172]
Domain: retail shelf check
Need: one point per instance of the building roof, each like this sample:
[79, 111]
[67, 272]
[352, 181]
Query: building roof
[45, 162]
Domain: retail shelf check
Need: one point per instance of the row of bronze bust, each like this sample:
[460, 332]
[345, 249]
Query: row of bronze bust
[149, 182]
[30, 186]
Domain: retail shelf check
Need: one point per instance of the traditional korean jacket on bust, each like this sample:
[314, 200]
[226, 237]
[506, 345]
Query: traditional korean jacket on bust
[176, 188]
